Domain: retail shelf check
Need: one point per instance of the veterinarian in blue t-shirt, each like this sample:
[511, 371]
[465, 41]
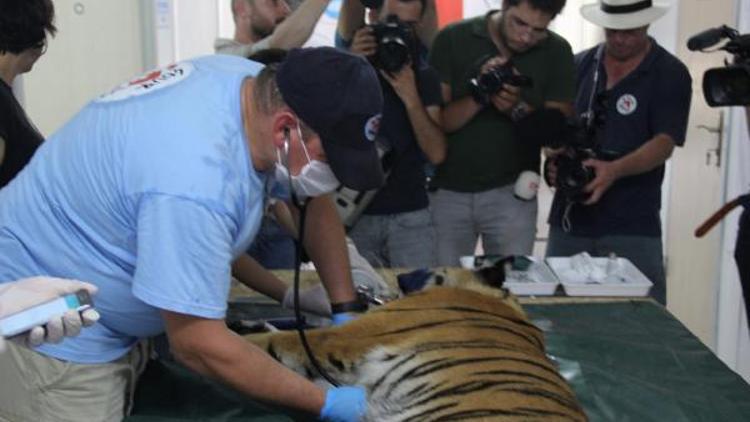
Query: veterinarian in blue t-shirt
[151, 191]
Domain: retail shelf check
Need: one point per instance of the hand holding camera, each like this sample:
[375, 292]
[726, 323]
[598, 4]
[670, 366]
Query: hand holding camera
[499, 84]
[605, 174]
[364, 42]
[404, 84]
[573, 162]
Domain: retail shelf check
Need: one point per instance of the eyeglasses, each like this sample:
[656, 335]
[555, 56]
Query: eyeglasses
[521, 25]
[41, 45]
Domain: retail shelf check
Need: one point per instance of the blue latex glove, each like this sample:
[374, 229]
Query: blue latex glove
[343, 318]
[344, 404]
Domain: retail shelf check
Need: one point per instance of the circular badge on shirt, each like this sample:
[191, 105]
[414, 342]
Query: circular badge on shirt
[150, 82]
[626, 104]
[372, 127]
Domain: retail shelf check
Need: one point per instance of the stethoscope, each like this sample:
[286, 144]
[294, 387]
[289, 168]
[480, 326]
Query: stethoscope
[302, 206]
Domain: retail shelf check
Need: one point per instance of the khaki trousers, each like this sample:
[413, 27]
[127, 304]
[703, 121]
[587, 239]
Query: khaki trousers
[36, 388]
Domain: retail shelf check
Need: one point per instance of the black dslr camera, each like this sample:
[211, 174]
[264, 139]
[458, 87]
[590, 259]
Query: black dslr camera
[576, 137]
[729, 85]
[491, 82]
[395, 40]
[572, 175]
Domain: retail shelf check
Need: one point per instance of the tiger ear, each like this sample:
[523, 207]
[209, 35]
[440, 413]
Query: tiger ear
[494, 276]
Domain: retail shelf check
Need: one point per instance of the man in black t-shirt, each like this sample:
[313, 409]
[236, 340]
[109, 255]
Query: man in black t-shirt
[396, 228]
[24, 25]
[742, 245]
[647, 94]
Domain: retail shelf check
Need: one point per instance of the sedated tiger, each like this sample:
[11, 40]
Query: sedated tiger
[458, 350]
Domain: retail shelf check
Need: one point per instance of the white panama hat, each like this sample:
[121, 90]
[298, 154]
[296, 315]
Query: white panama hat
[623, 14]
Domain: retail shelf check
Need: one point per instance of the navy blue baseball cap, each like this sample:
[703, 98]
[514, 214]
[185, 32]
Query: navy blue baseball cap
[338, 95]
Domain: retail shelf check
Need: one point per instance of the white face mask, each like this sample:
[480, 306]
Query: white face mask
[315, 179]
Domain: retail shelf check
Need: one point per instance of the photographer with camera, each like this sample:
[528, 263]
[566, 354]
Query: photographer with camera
[742, 245]
[481, 62]
[395, 229]
[729, 86]
[646, 93]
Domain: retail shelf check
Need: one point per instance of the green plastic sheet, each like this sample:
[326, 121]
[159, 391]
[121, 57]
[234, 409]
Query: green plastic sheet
[626, 361]
[633, 361]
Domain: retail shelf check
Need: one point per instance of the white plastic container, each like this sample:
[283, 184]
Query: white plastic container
[537, 280]
[621, 278]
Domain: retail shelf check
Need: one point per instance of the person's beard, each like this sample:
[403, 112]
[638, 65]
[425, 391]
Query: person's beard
[625, 54]
[260, 31]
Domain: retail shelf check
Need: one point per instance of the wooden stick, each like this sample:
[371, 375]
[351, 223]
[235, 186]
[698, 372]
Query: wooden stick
[719, 215]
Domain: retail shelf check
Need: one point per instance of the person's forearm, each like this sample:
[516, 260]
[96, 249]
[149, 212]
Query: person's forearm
[2, 150]
[297, 28]
[458, 113]
[646, 158]
[209, 348]
[429, 135]
[243, 50]
[325, 243]
[250, 273]
[566, 108]
[284, 217]
[429, 25]
[351, 18]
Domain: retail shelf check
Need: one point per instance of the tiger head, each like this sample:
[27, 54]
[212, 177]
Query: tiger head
[486, 280]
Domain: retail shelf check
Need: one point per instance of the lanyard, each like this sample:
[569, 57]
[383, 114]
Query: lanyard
[589, 114]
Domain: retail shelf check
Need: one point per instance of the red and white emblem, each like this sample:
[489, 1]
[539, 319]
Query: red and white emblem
[372, 127]
[626, 104]
[150, 82]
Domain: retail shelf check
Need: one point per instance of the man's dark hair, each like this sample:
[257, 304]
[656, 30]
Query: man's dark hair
[23, 24]
[424, 5]
[552, 7]
[269, 55]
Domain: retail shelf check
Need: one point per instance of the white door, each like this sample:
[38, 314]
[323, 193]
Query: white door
[98, 45]
[696, 184]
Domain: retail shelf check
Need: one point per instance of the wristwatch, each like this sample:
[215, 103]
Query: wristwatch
[519, 111]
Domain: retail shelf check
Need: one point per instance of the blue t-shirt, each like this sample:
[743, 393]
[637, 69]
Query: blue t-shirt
[653, 99]
[149, 193]
[405, 187]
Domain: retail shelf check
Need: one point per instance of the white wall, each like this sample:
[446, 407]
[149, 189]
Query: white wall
[99, 44]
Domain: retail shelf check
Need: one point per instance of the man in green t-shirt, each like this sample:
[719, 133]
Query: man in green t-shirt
[475, 195]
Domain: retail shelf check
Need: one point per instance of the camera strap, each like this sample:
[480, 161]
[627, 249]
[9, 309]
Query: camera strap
[589, 115]
[566, 224]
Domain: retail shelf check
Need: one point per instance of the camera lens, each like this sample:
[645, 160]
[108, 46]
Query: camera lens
[393, 54]
[727, 86]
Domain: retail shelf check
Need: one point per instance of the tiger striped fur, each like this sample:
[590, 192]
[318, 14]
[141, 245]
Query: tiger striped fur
[458, 352]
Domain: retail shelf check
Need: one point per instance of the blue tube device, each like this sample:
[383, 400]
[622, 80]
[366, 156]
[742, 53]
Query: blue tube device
[27, 319]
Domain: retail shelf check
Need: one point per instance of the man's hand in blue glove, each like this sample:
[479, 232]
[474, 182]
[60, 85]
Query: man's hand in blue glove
[343, 317]
[345, 312]
[344, 404]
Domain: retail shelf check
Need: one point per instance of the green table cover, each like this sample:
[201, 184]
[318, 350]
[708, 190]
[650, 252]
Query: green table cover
[626, 361]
